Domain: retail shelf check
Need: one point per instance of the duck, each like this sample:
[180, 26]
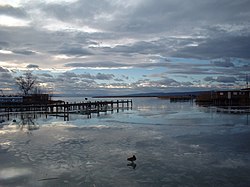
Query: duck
[132, 159]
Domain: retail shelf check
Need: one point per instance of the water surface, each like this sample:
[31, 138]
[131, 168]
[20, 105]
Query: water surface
[176, 144]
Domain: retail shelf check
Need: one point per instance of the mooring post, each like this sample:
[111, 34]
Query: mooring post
[8, 111]
[67, 112]
[34, 112]
[64, 110]
[98, 109]
[122, 105]
[56, 109]
[112, 107]
[89, 109]
[45, 107]
[117, 105]
[106, 108]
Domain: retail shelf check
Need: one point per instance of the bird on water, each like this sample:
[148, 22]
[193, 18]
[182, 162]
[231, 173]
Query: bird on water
[132, 159]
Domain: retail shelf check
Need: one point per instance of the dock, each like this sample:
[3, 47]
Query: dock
[180, 98]
[64, 109]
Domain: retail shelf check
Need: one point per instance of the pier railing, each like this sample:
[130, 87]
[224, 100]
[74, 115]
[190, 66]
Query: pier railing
[65, 108]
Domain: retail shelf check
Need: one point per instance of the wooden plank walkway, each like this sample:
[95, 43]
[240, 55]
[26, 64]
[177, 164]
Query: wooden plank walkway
[65, 109]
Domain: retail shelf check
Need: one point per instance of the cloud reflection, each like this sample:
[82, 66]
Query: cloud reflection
[13, 172]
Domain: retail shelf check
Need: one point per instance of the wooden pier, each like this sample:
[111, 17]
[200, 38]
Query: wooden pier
[64, 109]
[181, 98]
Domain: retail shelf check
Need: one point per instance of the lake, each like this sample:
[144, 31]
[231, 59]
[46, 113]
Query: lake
[176, 144]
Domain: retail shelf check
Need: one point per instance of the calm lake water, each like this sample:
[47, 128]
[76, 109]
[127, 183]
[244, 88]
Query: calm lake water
[176, 144]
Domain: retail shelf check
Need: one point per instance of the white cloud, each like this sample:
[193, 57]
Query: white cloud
[13, 22]
[5, 52]
[14, 3]
[60, 1]
[57, 25]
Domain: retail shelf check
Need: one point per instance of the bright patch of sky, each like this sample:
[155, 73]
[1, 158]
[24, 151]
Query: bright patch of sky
[12, 22]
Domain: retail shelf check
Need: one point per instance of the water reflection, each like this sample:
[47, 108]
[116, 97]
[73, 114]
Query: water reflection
[26, 123]
[189, 147]
[247, 119]
[14, 173]
[220, 114]
[132, 165]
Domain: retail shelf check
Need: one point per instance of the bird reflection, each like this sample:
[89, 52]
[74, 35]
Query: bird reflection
[132, 164]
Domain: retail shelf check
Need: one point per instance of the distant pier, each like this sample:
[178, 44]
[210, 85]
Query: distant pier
[64, 109]
[181, 98]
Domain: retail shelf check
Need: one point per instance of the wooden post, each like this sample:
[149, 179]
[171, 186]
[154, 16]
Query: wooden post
[117, 106]
[98, 109]
[67, 113]
[106, 108]
[89, 109]
[8, 116]
[112, 107]
[56, 110]
[64, 110]
[34, 112]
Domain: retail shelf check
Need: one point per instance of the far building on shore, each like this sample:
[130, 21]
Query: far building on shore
[27, 99]
[225, 98]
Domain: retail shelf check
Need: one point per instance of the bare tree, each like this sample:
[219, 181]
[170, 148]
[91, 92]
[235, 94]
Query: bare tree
[26, 82]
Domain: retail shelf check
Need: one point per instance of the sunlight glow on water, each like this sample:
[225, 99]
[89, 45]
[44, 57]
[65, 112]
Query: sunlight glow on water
[177, 144]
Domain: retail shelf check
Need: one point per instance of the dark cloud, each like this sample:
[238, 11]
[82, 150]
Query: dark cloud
[102, 76]
[69, 81]
[110, 64]
[6, 77]
[165, 82]
[118, 80]
[84, 76]
[211, 37]
[34, 66]
[104, 64]
[11, 11]
[3, 44]
[221, 79]
[3, 69]
[168, 82]
[222, 47]
[75, 51]
[68, 74]
[141, 47]
[94, 13]
[46, 75]
[149, 16]
[208, 79]
[180, 15]
[23, 52]
[225, 79]
[224, 63]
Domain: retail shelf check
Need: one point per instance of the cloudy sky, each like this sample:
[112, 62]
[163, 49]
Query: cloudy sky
[112, 47]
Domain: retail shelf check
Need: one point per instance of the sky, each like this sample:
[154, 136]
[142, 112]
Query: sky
[115, 47]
